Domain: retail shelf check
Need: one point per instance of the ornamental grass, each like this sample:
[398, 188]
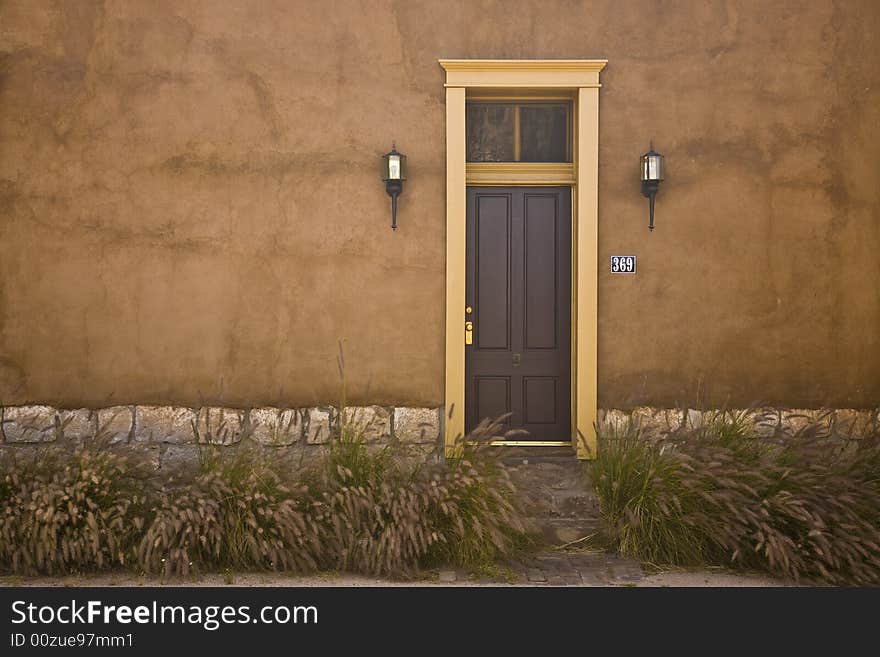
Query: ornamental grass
[800, 505]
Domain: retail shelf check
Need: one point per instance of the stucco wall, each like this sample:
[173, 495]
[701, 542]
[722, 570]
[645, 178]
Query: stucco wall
[190, 207]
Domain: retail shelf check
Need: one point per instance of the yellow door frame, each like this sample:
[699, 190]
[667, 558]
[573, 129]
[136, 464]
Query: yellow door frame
[581, 78]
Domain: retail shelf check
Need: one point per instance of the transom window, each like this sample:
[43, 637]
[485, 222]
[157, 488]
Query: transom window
[518, 131]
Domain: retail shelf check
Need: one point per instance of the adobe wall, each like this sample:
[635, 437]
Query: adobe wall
[191, 212]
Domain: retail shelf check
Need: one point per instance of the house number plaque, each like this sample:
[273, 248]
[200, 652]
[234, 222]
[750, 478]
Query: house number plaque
[623, 264]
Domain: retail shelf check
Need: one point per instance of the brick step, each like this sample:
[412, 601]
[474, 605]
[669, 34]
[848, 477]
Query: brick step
[558, 504]
[562, 531]
[553, 487]
[554, 472]
[535, 453]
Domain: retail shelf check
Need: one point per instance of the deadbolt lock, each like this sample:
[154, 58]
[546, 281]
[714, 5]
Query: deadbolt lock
[469, 310]
[468, 332]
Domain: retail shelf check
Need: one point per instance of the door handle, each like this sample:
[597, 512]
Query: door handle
[468, 333]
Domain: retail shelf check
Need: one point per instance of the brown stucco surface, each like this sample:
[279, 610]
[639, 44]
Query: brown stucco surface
[191, 210]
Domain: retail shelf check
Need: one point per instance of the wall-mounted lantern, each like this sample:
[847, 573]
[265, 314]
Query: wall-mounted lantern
[652, 174]
[393, 173]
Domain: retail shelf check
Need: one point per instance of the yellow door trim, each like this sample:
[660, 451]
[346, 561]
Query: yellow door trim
[520, 173]
[581, 77]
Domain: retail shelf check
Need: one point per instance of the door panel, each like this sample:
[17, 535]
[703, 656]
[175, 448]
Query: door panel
[519, 287]
[492, 296]
[492, 395]
[540, 267]
[539, 400]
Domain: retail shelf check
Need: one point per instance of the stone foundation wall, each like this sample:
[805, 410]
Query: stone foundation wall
[169, 436]
[841, 422]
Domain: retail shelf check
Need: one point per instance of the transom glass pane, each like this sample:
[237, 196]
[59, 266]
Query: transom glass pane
[520, 131]
[490, 132]
[544, 133]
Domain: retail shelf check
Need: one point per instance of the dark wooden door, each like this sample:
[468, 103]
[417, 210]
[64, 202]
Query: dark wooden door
[519, 291]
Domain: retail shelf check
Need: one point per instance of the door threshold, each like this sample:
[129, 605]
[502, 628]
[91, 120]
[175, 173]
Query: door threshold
[531, 443]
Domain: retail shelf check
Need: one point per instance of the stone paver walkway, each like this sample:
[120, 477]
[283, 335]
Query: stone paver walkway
[559, 569]
[600, 569]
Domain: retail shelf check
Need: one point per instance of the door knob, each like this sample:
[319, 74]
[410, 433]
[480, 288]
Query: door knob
[468, 332]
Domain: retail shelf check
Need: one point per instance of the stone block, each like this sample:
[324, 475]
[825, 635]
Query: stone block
[657, 421]
[296, 457]
[276, 426]
[369, 423]
[115, 424]
[318, 421]
[824, 417]
[713, 418]
[220, 426]
[693, 419]
[174, 457]
[671, 419]
[767, 421]
[794, 420]
[165, 424]
[29, 424]
[643, 417]
[149, 454]
[851, 423]
[416, 425]
[419, 451]
[77, 424]
[614, 420]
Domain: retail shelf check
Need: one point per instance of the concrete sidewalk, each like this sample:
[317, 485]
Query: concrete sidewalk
[543, 569]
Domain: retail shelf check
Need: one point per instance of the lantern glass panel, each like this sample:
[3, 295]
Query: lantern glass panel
[652, 166]
[393, 167]
[655, 167]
